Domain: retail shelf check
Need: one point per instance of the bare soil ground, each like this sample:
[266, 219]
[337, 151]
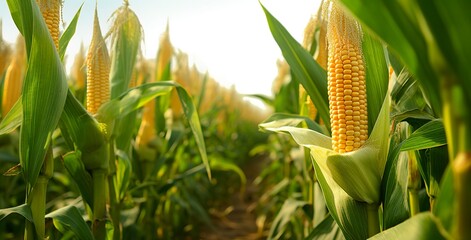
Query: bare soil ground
[236, 219]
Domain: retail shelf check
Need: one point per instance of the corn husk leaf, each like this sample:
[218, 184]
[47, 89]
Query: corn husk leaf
[326, 230]
[125, 42]
[80, 175]
[69, 219]
[44, 91]
[349, 214]
[359, 173]
[83, 132]
[420, 227]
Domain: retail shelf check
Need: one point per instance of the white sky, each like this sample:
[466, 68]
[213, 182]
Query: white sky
[228, 38]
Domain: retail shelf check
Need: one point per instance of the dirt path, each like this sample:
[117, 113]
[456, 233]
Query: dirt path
[236, 221]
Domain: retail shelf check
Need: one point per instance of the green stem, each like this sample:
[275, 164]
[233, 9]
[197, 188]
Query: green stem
[36, 199]
[115, 204]
[373, 219]
[99, 204]
[414, 202]
[37, 202]
[462, 179]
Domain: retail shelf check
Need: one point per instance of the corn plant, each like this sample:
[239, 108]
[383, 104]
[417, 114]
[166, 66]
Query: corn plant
[402, 167]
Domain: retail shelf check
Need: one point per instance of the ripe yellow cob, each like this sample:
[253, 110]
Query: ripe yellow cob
[98, 70]
[346, 83]
[14, 77]
[51, 11]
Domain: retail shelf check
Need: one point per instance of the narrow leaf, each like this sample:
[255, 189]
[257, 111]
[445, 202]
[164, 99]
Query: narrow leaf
[23, 210]
[307, 71]
[69, 219]
[13, 118]
[44, 91]
[431, 134]
[422, 226]
[73, 164]
[68, 34]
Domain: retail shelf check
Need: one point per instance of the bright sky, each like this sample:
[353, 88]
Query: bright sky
[228, 38]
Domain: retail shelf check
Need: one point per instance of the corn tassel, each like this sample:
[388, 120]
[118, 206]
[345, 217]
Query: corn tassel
[346, 83]
[14, 77]
[51, 11]
[98, 70]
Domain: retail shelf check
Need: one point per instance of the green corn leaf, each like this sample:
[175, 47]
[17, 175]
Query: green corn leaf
[285, 119]
[24, 210]
[307, 71]
[194, 122]
[394, 185]
[123, 174]
[377, 76]
[422, 226]
[437, 162]
[137, 97]
[83, 179]
[431, 134]
[44, 91]
[68, 34]
[69, 219]
[286, 213]
[445, 203]
[219, 164]
[131, 100]
[13, 118]
[404, 37]
[326, 230]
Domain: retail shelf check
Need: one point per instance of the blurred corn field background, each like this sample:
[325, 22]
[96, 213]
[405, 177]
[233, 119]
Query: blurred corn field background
[365, 135]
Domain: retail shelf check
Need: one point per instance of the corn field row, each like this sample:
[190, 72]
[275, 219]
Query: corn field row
[368, 138]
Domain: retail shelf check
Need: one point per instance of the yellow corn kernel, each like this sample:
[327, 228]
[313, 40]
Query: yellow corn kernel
[346, 83]
[51, 11]
[98, 70]
[14, 77]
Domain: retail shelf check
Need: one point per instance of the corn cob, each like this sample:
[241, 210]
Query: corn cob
[98, 70]
[51, 11]
[346, 83]
[14, 77]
